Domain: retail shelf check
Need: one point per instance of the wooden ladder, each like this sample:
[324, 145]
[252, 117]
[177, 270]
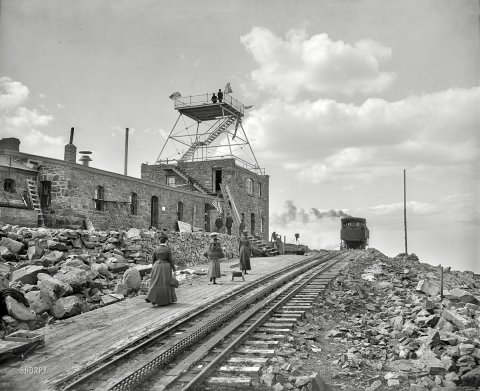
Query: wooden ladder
[35, 199]
[228, 197]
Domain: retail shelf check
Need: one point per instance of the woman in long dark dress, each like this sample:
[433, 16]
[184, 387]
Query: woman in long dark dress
[214, 254]
[161, 291]
[244, 250]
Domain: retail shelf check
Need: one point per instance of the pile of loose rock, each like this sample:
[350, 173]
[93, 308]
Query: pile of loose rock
[64, 272]
[382, 324]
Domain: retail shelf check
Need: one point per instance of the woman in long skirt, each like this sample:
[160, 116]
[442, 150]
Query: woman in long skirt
[161, 291]
[244, 251]
[214, 254]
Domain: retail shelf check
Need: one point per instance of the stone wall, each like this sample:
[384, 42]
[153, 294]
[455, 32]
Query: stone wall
[19, 176]
[73, 189]
[22, 217]
[236, 177]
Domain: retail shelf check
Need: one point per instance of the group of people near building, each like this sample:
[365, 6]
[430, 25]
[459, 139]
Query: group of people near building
[218, 97]
[228, 224]
[162, 279]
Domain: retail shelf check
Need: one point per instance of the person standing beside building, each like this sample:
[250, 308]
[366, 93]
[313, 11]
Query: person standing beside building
[161, 291]
[214, 98]
[244, 251]
[214, 254]
[241, 227]
[219, 223]
[229, 223]
[220, 95]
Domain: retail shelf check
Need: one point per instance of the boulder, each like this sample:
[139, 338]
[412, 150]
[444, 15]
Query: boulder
[118, 267]
[52, 258]
[39, 301]
[133, 233]
[463, 296]
[12, 245]
[428, 287]
[34, 252]
[75, 262]
[76, 278]
[471, 378]
[67, 307]
[132, 279]
[18, 310]
[53, 287]
[27, 275]
[121, 288]
[77, 243]
[458, 320]
[102, 269]
[54, 245]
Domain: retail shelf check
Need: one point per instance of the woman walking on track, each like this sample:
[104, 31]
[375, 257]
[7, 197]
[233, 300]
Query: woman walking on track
[244, 251]
[161, 291]
[214, 254]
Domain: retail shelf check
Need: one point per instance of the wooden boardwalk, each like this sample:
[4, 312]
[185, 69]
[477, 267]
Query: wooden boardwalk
[74, 343]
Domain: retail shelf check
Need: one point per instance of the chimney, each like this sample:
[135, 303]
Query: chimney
[85, 159]
[10, 143]
[70, 149]
[126, 152]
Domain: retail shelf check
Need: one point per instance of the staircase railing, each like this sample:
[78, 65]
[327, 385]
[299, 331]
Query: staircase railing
[228, 195]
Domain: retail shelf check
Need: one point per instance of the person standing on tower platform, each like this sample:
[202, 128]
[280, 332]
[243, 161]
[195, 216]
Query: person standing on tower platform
[229, 223]
[220, 95]
[214, 98]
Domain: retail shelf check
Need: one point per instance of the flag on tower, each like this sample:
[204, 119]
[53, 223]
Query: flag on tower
[227, 89]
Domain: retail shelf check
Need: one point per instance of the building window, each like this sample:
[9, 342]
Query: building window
[249, 186]
[217, 180]
[259, 189]
[171, 181]
[133, 203]
[262, 225]
[9, 185]
[99, 198]
[45, 193]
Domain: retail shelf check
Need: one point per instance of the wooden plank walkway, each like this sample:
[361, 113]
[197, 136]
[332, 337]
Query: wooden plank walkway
[74, 343]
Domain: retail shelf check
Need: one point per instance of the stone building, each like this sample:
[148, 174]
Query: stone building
[69, 193]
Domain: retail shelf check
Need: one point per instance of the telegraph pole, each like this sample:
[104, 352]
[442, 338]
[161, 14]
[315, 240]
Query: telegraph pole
[405, 209]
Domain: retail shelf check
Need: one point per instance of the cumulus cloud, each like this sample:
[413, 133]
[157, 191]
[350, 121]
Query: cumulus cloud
[324, 139]
[17, 120]
[316, 65]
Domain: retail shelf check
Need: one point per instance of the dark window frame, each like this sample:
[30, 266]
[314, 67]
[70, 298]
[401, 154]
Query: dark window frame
[133, 203]
[9, 185]
[99, 198]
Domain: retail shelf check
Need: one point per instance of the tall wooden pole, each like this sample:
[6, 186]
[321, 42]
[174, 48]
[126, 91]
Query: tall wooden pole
[405, 209]
[126, 153]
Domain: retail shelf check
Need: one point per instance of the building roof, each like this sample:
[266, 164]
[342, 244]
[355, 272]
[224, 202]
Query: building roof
[5, 161]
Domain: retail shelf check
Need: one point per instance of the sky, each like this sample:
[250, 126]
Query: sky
[346, 95]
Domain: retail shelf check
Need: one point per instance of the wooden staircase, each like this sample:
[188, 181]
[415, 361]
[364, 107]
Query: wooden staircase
[35, 199]
[189, 179]
[211, 137]
[259, 244]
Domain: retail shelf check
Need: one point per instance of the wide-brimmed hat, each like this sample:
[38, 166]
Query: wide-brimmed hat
[214, 234]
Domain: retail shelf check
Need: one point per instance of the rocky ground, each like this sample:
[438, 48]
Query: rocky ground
[381, 325]
[50, 274]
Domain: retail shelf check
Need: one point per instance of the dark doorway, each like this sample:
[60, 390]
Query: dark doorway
[180, 211]
[217, 180]
[45, 193]
[154, 212]
[252, 224]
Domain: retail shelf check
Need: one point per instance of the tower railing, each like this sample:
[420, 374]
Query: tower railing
[205, 99]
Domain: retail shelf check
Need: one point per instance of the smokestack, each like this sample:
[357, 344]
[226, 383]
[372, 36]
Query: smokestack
[126, 152]
[70, 154]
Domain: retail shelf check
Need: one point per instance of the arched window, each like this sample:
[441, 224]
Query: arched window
[133, 203]
[249, 186]
[9, 185]
[99, 198]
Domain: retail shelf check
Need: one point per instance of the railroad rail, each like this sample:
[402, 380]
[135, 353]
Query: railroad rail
[164, 354]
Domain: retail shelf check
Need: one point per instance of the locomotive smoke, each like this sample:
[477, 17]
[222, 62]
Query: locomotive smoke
[292, 212]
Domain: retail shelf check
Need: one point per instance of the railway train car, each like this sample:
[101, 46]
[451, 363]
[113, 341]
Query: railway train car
[354, 233]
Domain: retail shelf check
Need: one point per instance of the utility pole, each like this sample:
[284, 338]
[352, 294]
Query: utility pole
[126, 152]
[405, 209]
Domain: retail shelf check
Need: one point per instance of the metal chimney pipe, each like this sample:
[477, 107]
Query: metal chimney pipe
[72, 131]
[126, 152]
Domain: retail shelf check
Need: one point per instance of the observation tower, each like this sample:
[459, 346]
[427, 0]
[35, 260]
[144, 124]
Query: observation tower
[209, 130]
